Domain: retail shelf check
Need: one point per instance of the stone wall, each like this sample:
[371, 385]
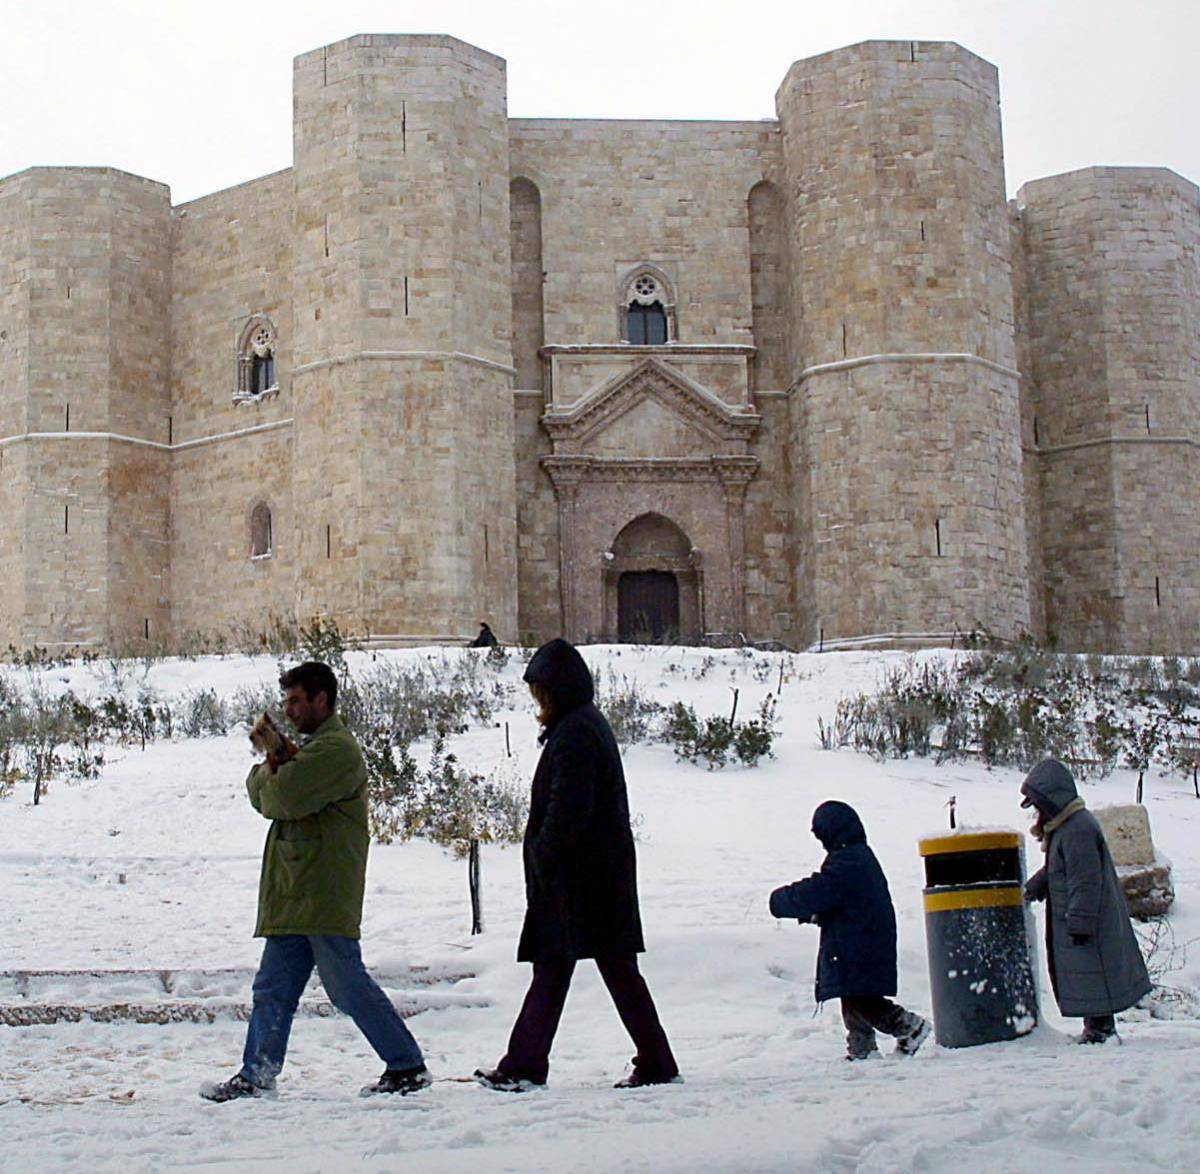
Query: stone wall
[1031, 466]
[1114, 282]
[403, 315]
[615, 193]
[539, 588]
[232, 260]
[891, 407]
[87, 386]
[911, 510]
[771, 573]
[15, 263]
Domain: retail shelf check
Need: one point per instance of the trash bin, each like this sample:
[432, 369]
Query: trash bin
[977, 935]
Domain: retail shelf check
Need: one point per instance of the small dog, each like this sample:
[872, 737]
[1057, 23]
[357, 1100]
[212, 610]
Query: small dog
[268, 738]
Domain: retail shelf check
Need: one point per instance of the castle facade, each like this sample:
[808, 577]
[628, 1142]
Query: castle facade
[811, 379]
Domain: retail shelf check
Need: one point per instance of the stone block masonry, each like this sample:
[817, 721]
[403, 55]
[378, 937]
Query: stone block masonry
[810, 379]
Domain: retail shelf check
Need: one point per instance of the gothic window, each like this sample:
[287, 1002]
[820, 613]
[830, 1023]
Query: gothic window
[256, 375]
[647, 325]
[260, 531]
[262, 373]
[647, 308]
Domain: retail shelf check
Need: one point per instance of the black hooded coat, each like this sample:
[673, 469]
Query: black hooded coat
[849, 900]
[580, 872]
[1096, 965]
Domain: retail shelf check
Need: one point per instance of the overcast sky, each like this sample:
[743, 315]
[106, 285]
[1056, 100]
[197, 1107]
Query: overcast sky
[197, 93]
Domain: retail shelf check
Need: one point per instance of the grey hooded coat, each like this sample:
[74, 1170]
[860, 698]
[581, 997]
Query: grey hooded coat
[1096, 966]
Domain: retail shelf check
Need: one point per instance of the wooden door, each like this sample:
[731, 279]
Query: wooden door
[647, 607]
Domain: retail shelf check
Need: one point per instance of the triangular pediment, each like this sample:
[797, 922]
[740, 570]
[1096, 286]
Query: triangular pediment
[651, 410]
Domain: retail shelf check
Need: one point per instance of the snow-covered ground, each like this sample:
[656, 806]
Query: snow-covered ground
[154, 867]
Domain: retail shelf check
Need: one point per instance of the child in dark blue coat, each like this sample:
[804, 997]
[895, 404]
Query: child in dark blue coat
[856, 963]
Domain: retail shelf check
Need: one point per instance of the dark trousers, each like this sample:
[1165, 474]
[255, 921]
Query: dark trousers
[1100, 1024]
[865, 1016]
[528, 1055]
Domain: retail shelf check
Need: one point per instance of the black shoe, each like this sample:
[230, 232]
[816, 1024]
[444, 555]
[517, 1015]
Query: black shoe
[499, 1081]
[399, 1080]
[233, 1089]
[638, 1079]
[1094, 1035]
[872, 1054]
[907, 1045]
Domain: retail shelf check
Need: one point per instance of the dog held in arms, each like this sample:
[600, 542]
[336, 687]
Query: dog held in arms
[269, 739]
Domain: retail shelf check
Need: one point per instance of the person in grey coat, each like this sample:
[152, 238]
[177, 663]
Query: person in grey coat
[1096, 966]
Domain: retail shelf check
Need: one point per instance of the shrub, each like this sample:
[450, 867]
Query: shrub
[417, 701]
[444, 804]
[630, 712]
[249, 701]
[41, 738]
[460, 806]
[393, 794]
[202, 714]
[1014, 705]
[715, 739]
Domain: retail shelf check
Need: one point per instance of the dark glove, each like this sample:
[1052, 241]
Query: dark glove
[1080, 939]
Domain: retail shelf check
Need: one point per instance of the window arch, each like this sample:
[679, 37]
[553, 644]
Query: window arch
[257, 377]
[646, 307]
[528, 328]
[261, 536]
[770, 293]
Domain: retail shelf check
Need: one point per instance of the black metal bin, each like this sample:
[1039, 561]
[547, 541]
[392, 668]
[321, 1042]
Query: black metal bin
[977, 938]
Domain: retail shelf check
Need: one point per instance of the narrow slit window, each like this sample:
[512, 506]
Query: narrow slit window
[260, 531]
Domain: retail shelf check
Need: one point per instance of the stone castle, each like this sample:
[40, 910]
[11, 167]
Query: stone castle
[810, 379]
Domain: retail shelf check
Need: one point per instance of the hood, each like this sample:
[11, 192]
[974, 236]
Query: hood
[837, 824]
[1049, 787]
[559, 667]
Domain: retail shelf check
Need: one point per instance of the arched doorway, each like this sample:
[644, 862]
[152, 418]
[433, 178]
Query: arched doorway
[652, 583]
[647, 607]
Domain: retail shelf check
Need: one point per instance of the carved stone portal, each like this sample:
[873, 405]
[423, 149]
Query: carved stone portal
[663, 503]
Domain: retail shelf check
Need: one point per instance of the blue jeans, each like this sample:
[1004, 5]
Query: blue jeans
[287, 962]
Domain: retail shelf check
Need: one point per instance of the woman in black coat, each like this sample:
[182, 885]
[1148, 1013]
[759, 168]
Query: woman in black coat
[580, 881]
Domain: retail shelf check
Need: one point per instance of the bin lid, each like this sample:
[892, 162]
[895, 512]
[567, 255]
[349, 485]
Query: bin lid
[968, 841]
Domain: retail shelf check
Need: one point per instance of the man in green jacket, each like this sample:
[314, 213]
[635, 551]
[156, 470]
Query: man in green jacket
[311, 893]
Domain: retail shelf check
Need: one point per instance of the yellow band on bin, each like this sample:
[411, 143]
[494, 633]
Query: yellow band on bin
[968, 842]
[992, 898]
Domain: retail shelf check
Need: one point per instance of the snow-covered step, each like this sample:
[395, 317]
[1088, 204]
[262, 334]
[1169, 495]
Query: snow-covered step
[96, 985]
[197, 995]
[30, 1013]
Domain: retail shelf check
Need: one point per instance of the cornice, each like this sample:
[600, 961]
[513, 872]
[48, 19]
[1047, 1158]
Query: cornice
[651, 378]
[142, 442]
[731, 469]
[625, 349]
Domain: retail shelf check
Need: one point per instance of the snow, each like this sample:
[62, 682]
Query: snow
[146, 879]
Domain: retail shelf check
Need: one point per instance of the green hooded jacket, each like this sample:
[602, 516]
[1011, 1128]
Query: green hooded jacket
[315, 861]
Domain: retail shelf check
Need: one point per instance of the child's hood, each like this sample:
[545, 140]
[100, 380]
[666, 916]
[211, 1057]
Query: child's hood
[836, 824]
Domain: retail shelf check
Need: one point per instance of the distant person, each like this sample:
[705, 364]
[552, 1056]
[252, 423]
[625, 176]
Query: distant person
[485, 639]
[580, 881]
[1096, 967]
[311, 894]
[856, 962]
